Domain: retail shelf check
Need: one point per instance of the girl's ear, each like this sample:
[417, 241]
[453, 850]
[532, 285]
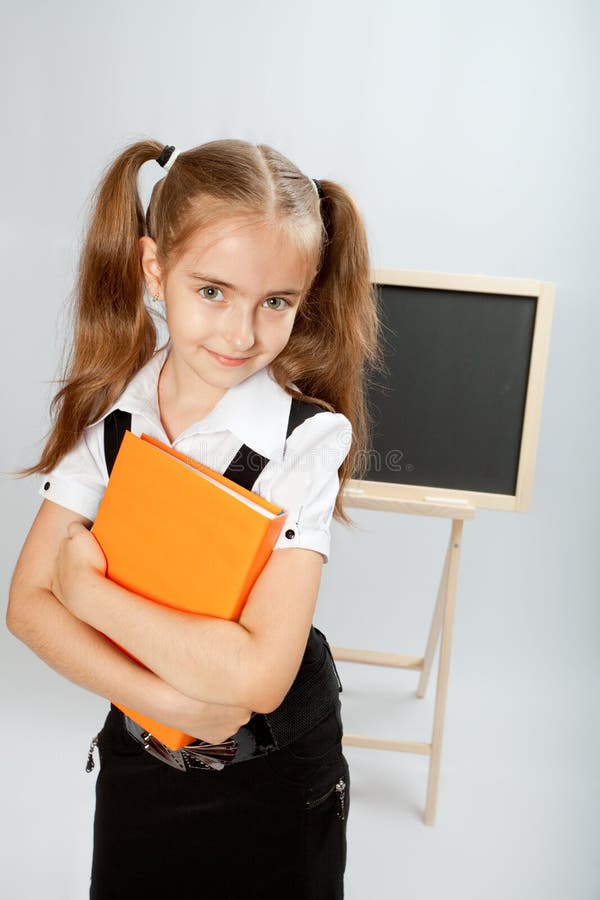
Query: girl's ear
[150, 266]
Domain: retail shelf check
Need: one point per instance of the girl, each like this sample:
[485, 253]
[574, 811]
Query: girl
[272, 321]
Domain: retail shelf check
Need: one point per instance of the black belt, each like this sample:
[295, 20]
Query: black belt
[307, 703]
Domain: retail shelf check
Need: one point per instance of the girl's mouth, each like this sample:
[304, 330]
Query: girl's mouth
[228, 360]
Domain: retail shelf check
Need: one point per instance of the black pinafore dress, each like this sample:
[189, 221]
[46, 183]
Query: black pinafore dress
[268, 828]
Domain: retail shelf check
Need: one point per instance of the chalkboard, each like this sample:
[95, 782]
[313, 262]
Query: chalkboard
[457, 413]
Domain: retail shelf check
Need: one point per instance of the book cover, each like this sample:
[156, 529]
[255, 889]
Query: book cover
[178, 533]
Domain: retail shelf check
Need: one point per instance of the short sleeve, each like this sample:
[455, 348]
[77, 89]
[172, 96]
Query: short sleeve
[78, 481]
[306, 482]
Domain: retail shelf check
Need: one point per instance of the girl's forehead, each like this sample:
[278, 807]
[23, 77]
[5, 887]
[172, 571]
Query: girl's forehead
[242, 241]
[241, 229]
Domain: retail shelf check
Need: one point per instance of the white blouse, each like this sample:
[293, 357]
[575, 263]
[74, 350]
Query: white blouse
[301, 476]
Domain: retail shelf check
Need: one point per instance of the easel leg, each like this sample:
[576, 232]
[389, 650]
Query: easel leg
[436, 627]
[453, 558]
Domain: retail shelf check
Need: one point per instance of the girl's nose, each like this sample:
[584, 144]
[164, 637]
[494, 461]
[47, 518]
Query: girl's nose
[239, 331]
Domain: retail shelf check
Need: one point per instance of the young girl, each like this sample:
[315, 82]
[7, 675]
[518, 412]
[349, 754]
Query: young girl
[272, 321]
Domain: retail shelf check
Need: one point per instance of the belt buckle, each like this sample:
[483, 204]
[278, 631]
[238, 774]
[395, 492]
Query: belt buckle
[210, 756]
[204, 756]
[160, 751]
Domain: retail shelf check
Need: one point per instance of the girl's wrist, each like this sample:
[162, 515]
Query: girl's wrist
[148, 694]
[166, 699]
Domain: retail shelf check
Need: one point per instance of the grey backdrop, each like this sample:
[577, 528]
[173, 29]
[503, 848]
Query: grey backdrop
[468, 132]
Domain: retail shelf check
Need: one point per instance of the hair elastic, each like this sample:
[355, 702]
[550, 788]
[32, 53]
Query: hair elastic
[168, 156]
[318, 187]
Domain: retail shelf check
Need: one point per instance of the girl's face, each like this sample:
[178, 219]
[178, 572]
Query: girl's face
[231, 300]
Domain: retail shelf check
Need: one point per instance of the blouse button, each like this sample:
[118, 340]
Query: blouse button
[290, 534]
[47, 485]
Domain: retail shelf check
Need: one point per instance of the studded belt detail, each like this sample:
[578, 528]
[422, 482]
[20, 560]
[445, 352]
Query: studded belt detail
[252, 739]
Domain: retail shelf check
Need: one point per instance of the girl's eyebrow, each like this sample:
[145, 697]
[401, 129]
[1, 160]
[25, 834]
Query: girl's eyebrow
[213, 280]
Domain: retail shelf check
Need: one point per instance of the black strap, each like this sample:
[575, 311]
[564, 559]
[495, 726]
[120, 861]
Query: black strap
[300, 410]
[247, 464]
[245, 467]
[115, 426]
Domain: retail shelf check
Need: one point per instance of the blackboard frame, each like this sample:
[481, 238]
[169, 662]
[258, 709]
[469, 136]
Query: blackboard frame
[392, 496]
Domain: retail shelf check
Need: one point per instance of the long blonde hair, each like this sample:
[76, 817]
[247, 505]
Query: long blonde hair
[334, 344]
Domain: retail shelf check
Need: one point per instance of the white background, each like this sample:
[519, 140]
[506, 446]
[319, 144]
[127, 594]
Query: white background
[468, 133]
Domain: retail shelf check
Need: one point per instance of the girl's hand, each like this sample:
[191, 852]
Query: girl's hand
[79, 559]
[211, 722]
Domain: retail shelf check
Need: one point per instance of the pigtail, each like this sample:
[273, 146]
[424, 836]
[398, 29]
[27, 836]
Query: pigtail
[335, 346]
[113, 332]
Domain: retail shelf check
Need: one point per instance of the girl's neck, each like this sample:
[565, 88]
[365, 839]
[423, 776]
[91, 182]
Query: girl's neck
[177, 409]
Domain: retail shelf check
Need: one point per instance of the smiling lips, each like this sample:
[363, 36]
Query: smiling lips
[228, 360]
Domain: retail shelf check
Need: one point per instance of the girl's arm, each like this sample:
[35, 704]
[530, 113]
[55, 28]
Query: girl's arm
[85, 656]
[202, 656]
[76, 649]
[90, 660]
[250, 663]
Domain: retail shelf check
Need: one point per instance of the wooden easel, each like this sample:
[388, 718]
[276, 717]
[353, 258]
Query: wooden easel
[441, 623]
[457, 503]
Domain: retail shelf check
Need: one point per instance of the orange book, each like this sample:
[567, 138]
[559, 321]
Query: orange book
[176, 532]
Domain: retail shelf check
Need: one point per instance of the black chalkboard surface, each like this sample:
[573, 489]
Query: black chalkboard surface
[458, 413]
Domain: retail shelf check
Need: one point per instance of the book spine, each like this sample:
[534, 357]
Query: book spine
[272, 532]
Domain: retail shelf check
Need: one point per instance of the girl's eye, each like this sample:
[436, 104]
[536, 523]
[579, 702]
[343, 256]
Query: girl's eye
[282, 299]
[209, 289]
[269, 299]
